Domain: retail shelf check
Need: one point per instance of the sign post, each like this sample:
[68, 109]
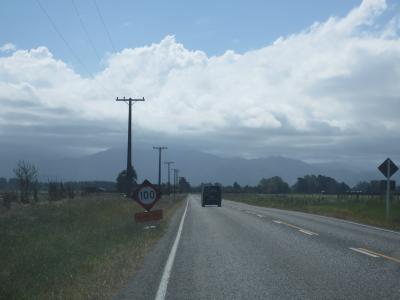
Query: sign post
[147, 195]
[388, 168]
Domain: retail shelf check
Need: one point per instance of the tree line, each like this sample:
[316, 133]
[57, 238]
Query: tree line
[26, 187]
[308, 184]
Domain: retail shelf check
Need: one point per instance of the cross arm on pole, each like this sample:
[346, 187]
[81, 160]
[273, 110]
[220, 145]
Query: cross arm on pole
[130, 99]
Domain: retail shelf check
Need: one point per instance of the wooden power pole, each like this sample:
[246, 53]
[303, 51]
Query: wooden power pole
[159, 163]
[169, 173]
[129, 167]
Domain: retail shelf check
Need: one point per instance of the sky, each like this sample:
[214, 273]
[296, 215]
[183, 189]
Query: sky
[312, 80]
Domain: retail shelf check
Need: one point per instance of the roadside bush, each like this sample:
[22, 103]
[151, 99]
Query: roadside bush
[8, 197]
[70, 192]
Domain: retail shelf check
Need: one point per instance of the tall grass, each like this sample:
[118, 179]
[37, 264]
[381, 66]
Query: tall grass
[78, 249]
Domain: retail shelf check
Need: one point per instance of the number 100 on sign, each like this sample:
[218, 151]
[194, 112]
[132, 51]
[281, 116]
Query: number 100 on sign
[147, 195]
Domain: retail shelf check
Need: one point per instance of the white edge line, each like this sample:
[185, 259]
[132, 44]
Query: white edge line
[364, 252]
[162, 288]
[276, 221]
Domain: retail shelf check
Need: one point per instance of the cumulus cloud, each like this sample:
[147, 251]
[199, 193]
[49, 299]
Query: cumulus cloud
[8, 47]
[330, 91]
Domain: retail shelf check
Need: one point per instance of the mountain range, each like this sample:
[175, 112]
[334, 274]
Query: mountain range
[196, 166]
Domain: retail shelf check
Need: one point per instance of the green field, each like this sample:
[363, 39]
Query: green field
[84, 248]
[364, 209]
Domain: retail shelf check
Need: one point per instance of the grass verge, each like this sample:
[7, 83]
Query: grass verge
[85, 248]
[366, 210]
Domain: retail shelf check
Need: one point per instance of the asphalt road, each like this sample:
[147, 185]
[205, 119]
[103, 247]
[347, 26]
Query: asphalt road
[240, 251]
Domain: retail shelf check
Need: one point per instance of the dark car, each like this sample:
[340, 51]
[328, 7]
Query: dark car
[211, 195]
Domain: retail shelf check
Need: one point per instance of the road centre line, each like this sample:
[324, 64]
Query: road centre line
[254, 213]
[287, 224]
[359, 250]
[381, 255]
[281, 222]
[162, 288]
[296, 227]
[347, 221]
[306, 232]
[337, 220]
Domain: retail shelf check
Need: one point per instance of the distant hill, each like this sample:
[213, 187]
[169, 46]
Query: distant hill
[196, 166]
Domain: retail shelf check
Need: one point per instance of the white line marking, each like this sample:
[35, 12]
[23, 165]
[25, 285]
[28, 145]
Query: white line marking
[276, 221]
[364, 252]
[362, 225]
[326, 217]
[260, 216]
[341, 220]
[149, 227]
[162, 288]
[308, 232]
[381, 255]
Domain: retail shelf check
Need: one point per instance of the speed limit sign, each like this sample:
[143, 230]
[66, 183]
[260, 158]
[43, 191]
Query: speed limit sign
[146, 195]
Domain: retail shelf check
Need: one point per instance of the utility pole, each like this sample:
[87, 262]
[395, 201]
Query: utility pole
[176, 174]
[169, 173]
[129, 167]
[177, 180]
[160, 148]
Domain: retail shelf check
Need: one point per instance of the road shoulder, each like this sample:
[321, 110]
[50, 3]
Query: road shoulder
[144, 283]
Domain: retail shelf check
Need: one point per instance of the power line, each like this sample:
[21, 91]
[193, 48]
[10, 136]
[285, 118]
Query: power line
[108, 33]
[104, 25]
[85, 30]
[63, 39]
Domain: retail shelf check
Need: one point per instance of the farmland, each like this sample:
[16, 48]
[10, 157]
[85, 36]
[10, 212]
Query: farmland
[81, 248]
